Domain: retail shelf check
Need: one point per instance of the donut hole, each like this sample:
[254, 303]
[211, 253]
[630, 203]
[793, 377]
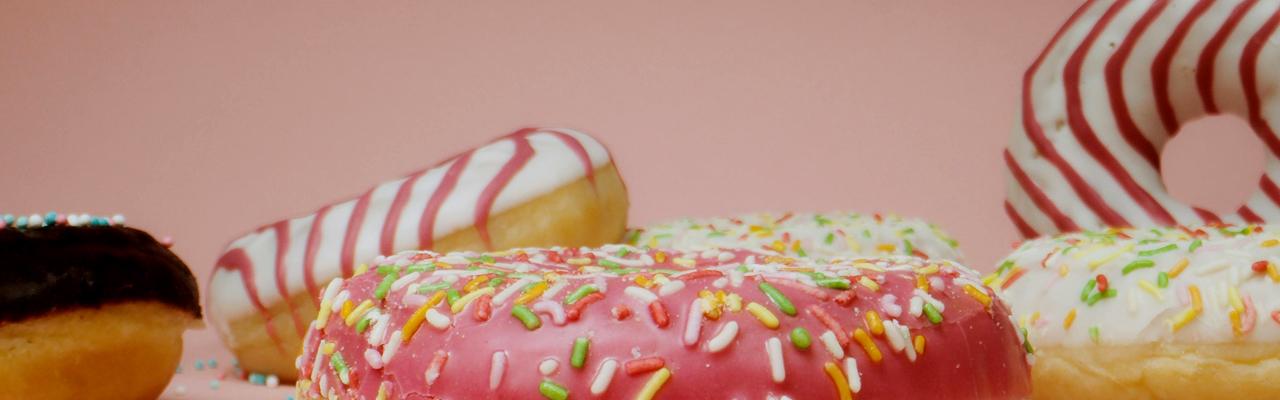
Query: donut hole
[1214, 163]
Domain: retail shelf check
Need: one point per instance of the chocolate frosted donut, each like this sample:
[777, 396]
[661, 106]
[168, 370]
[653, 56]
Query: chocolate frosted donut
[624, 322]
[89, 309]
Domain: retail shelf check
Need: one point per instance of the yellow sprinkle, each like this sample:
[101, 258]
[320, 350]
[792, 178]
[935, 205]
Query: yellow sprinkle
[462, 302]
[415, 321]
[874, 323]
[1183, 318]
[868, 345]
[1062, 270]
[887, 247]
[765, 316]
[838, 378]
[436, 298]
[734, 301]
[654, 384]
[643, 281]
[382, 392]
[1270, 243]
[870, 284]
[532, 293]
[474, 283]
[778, 246]
[990, 279]
[346, 309]
[1109, 257]
[653, 243]
[1233, 295]
[327, 348]
[1196, 302]
[928, 270]
[978, 295]
[1178, 268]
[1236, 326]
[922, 283]
[360, 269]
[1273, 272]
[1035, 317]
[853, 244]
[359, 312]
[868, 266]
[919, 342]
[1071, 318]
[578, 261]
[1150, 288]
[685, 262]
[710, 304]
[326, 307]
[660, 257]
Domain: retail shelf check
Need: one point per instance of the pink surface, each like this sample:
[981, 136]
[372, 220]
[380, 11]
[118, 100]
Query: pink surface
[204, 120]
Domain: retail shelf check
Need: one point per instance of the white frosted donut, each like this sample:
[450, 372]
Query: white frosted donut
[1150, 313]
[535, 187]
[1113, 86]
[822, 236]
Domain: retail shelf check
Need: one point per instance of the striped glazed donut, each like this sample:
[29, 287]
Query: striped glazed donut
[1114, 85]
[535, 187]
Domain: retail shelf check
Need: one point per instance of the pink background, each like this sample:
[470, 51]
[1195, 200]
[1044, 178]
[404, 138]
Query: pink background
[204, 120]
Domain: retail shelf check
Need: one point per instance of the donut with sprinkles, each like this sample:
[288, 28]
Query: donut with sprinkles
[628, 322]
[1115, 84]
[1165, 313]
[815, 235]
[533, 187]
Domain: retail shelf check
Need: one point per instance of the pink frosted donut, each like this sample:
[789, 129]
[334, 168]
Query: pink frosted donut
[625, 322]
[534, 187]
[1110, 90]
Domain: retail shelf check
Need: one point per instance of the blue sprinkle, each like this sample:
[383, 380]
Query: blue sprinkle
[213, 363]
[257, 379]
[50, 218]
[8, 218]
[199, 365]
[214, 384]
[22, 222]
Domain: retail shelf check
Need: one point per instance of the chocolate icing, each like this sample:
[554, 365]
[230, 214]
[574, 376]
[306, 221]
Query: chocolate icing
[51, 269]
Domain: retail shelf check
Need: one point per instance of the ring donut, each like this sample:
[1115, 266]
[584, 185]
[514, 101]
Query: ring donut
[626, 322]
[535, 187]
[1164, 313]
[822, 236]
[1114, 85]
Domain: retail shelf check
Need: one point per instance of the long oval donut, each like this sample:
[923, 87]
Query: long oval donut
[1113, 86]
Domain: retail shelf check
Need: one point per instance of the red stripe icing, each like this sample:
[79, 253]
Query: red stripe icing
[426, 228]
[1060, 220]
[1208, 216]
[1270, 189]
[1035, 134]
[309, 257]
[1205, 68]
[1248, 215]
[578, 149]
[238, 260]
[1249, 79]
[353, 232]
[388, 238]
[1160, 67]
[484, 205]
[281, 230]
[1026, 230]
[1115, 88]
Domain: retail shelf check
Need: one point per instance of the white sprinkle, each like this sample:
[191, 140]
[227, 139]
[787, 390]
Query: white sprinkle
[448, 278]
[641, 294]
[332, 290]
[773, 347]
[273, 381]
[693, 323]
[851, 371]
[670, 288]
[437, 319]
[601, 285]
[555, 289]
[911, 350]
[896, 341]
[374, 359]
[496, 368]
[405, 280]
[724, 338]
[501, 298]
[393, 344]
[720, 282]
[378, 334]
[1133, 301]
[434, 370]
[548, 367]
[736, 277]
[551, 309]
[413, 300]
[890, 305]
[916, 307]
[604, 376]
[340, 299]
[725, 256]
[929, 299]
[832, 344]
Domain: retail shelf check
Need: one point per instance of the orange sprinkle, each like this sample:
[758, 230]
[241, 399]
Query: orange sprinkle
[1017, 273]
[874, 323]
[1178, 268]
[978, 295]
[922, 283]
[919, 342]
[660, 257]
[346, 309]
[1196, 302]
[1071, 318]
[867, 344]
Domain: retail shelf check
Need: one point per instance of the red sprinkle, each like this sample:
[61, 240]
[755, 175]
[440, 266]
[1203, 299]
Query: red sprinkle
[1260, 266]
[659, 314]
[574, 312]
[484, 308]
[1102, 283]
[1044, 262]
[1012, 278]
[643, 365]
[830, 322]
[846, 298]
[704, 273]
[621, 312]
[1275, 316]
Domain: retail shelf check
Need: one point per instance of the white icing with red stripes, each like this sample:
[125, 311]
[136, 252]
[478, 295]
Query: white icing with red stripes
[1110, 90]
[282, 259]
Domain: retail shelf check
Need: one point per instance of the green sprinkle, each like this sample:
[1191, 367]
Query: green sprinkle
[337, 363]
[1093, 334]
[623, 252]
[362, 325]
[578, 294]
[452, 295]
[1136, 265]
[778, 299]
[1026, 342]
[420, 268]
[608, 264]
[432, 287]
[932, 313]
[1195, 244]
[821, 220]
[553, 391]
[1152, 252]
[1088, 288]
[716, 234]
[743, 268]
[831, 238]
[800, 250]
[1004, 266]
[526, 317]
[633, 237]
[495, 282]
[385, 286]
[387, 269]
[834, 283]
[800, 338]
[907, 247]
[580, 347]
[1101, 295]
[1162, 280]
